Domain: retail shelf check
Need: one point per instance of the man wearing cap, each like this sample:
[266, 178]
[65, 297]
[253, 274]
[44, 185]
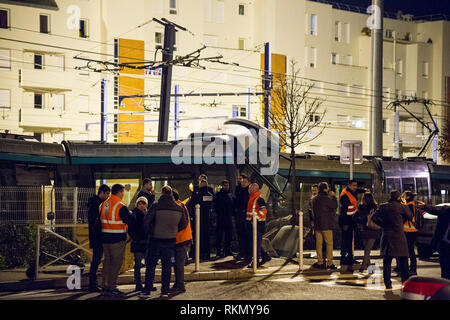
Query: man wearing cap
[348, 206]
[139, 239]
[116, 218]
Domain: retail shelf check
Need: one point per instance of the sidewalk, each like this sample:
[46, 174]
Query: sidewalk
[222, 269]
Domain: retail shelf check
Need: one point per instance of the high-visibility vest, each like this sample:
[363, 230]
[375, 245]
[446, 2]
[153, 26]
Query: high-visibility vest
[253, 206]
[410, 225]
[353, 206]
[109, 213]
[185, 234]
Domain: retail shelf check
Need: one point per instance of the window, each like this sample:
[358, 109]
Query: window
[358, 122]
[388, 34]
[83, 101]
[83, 32]
[4, 14]
[38, 98]
[312, 57]
[241, 44]
[38, 61]
[5, 59]
[44, 23]
[242, 10]
[349, 60]
[334, 58]
[5, 100]
[313, 25]
[425, 69]
[347, 32]
[314, 118]
[158, 39]
[337, 31]
[220, 11]
[399, 67]
[243, 112]
[173, 7]
[385, 125]
[408, 36]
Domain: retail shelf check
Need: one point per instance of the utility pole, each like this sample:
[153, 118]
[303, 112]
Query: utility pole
[166, 79]
[176, 124]
[103, 113]
[267, 83]
[397, 115]
[376, 132]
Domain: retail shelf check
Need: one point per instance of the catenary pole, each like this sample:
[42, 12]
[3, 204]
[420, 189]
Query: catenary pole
[267, 83]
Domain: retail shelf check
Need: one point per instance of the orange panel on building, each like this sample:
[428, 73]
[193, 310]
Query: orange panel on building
[131, 51]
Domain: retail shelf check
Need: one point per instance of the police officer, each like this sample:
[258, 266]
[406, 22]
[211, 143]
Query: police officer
[204, 197]
[224, 206]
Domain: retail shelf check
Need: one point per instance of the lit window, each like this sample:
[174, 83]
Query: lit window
[4, 14]
[44, 23]
[83, 32]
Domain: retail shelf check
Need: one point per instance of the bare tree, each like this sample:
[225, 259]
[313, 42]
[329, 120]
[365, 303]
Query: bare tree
[444, 142]
[295, 114]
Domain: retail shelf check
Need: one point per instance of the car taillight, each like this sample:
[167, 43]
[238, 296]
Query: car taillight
[427, 289]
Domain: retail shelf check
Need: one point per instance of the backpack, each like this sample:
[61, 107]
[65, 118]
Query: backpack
[370, 224]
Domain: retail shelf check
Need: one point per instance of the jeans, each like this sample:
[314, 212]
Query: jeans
[97, 254]
[114, 253]
[411, 240]
[138, 256]
[387, 265]
[159, 249]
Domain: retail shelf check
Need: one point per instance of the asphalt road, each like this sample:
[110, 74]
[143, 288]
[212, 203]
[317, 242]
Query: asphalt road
[330, 286]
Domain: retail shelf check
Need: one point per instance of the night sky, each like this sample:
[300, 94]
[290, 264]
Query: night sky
[415, 7]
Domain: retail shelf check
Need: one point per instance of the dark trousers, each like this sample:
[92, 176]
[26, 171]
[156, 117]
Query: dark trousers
[411, 240]
[223, 234]
[159, 249]
[241, 235]
[97, 254]
[260, 228]
[138, 256]
[346, 245]
[387, 265]
[444, 260]
[205, 248]
[180, 259]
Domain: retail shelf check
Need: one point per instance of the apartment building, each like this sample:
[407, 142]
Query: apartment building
[42, 92]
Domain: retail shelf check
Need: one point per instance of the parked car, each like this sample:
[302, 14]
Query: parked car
[426, 233]
[425, 288]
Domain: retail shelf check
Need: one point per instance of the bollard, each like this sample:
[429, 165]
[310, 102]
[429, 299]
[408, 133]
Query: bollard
[197, 237]
[300, 239]
[255, 240]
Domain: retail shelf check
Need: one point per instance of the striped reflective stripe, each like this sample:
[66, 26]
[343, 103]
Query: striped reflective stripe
[112, 222]
[114, 231]
[113, 217]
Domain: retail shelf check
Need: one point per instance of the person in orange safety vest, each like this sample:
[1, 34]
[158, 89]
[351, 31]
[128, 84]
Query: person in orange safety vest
[348, 205]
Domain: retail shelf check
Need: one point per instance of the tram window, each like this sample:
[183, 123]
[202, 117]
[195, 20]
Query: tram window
[422, 189]
[445, 193]
[408, 184]
[392, 183]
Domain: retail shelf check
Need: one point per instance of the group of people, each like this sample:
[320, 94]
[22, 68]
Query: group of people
[165, 230]
[396, 222]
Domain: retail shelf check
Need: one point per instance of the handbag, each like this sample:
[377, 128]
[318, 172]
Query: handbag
[370, 224]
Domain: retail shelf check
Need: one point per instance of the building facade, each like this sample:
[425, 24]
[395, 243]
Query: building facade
[46, 91]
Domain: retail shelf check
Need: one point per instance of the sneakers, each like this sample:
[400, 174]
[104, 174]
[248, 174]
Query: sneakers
[144, 294]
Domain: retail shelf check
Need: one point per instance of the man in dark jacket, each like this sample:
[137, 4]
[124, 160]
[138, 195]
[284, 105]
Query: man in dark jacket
[95, 234]
[224, 206]
[116, 219]
[324, 207]
[139, 239]
[204, 197]
[162, 223]
[390, 217]
[241, 202]
[348, 204]
[441, 237]
[147, 191]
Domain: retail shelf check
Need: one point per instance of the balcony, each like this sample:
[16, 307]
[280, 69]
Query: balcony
[44, 120]
[43, 80]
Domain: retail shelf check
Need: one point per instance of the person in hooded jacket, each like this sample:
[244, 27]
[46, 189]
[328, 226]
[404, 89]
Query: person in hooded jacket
[367, 206]
[224, 207]
[95, 233]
